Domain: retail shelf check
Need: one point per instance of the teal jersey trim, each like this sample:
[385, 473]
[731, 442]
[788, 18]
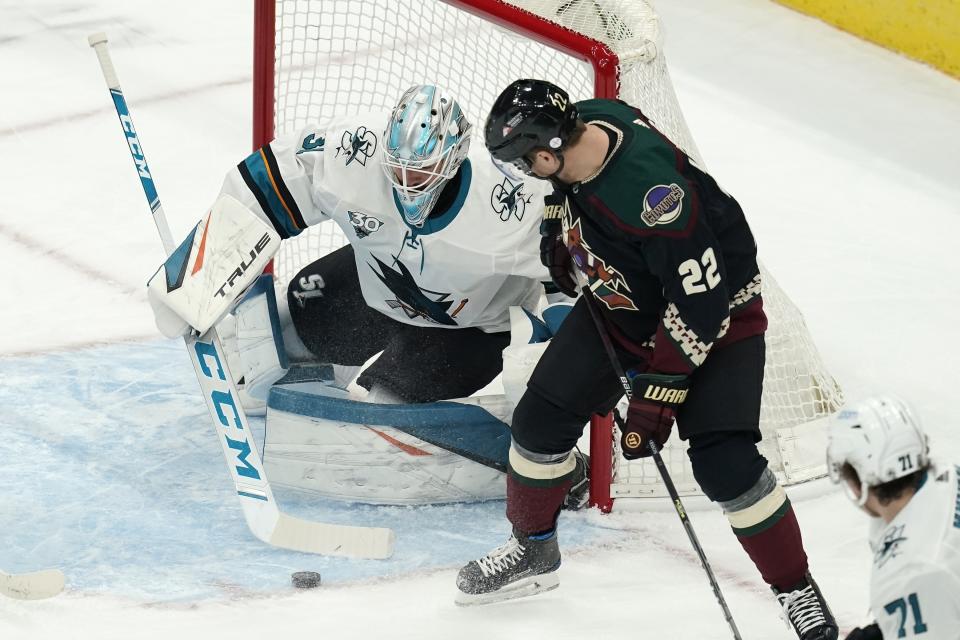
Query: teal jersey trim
[175, 267]
[439, 223]
[258, 180]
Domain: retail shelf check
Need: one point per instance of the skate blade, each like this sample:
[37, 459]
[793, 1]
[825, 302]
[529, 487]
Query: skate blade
[520, 589]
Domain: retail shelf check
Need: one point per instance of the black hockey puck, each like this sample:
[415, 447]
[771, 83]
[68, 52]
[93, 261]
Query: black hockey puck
[305, 579]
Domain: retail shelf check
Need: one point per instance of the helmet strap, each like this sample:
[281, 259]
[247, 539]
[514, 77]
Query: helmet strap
[862, 500]
[553, 176]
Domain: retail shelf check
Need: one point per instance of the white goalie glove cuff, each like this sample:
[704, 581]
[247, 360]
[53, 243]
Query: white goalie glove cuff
[168, 321]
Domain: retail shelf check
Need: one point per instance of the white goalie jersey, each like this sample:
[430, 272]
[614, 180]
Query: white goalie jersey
[915, 587]
[462, 268]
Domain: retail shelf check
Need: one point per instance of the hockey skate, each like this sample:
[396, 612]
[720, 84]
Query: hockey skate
[579, 494]
[524, 566]
[805, 610]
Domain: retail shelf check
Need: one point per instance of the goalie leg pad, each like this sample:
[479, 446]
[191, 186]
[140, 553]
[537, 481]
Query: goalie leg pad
[529, 336]
[259, 338]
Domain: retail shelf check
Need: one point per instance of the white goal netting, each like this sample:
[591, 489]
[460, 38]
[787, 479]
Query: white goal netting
[341, 56]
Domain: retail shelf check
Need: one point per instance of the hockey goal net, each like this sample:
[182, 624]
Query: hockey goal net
[318, 58]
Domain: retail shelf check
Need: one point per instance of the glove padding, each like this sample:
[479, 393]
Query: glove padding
[223, 255]
[652, 410]
[869, 632]
[553, 251]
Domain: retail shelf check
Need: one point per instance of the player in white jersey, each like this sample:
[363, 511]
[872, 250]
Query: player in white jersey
[442, 243]
[879, 451]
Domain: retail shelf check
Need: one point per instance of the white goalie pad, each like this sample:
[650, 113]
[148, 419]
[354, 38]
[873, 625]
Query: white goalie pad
[252, 339]
[321, 441]
[218, 260]
[529, 337]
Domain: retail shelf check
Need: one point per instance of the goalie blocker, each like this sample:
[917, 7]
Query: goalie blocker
[222, 256]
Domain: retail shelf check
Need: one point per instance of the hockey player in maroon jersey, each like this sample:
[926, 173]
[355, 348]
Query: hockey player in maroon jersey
[671, 261]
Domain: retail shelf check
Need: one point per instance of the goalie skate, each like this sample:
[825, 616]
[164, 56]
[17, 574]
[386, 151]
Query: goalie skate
[524, 566]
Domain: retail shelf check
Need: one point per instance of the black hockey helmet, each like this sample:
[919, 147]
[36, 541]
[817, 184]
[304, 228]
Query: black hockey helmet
[528, 115]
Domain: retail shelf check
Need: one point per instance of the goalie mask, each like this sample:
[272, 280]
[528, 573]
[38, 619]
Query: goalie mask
[426, 140]
[881, 439]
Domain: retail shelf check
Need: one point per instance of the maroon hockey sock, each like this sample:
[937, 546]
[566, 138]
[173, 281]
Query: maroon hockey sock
[776, 548]
[533, 505]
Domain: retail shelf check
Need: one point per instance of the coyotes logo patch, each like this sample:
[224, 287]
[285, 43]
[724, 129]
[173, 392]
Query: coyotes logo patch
[606, 283]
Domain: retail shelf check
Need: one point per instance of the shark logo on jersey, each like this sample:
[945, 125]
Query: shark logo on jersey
[358, 145]
[509, 199]
[363, 224]
[312, 143]
[414, 301]
[606, 283]
[890, 546]
[662, 204]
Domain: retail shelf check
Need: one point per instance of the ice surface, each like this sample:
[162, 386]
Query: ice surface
[842, 154]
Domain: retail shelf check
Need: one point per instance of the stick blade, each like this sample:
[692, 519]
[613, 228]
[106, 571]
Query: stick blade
[375, 543]
[32, 586]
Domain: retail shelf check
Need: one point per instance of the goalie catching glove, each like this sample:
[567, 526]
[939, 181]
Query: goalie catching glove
[651, 412]
[553, 250]
[197, 285]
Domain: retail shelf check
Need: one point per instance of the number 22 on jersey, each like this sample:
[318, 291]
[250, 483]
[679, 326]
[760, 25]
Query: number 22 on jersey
[700, 276]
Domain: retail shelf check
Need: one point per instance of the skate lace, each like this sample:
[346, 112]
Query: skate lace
[802, 608]
[501, 557]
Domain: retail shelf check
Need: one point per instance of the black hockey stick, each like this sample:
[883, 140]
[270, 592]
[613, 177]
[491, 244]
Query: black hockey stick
[657, 459]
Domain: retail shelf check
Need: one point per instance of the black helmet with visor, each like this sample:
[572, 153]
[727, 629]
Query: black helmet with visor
[529, 115]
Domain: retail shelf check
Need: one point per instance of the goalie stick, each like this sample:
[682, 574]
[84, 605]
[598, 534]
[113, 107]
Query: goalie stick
[263, 517]
[32, 586]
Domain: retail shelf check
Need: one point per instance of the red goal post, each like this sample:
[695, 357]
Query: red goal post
[317, 58]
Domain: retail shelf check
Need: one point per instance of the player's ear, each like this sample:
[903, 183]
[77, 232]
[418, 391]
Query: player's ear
[543, 156]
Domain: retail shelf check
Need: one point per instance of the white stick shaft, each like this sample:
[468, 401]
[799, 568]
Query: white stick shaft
[99, 43]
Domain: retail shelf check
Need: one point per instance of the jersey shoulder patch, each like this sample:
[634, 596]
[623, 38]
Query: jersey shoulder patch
[355, 141]
[505, 195]
[641, 186]
[644, 190]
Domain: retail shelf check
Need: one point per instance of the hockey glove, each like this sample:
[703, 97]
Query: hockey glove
[869, 632]
[652, 409]
[553, 251]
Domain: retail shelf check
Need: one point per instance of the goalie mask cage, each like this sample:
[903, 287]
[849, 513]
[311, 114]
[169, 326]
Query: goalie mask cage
[314, 59]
